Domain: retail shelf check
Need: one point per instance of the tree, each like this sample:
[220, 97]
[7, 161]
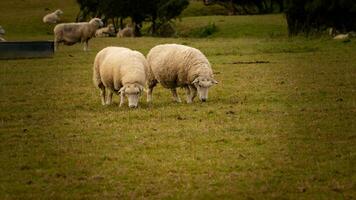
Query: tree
[163, 11]
[157, 12]
[311, 16]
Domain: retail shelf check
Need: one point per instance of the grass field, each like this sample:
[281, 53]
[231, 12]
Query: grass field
[284, 129]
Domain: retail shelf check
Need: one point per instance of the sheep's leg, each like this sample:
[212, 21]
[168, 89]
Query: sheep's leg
[109, 97]
[122, 99]
[86, 46]
[193, 93]
[102, 94]
[150, 90]
[175, 95]
[188, 92]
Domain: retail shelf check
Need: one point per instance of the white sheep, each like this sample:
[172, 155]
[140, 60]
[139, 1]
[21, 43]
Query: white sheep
[71, 33]
[126, 32]
[122, 71]
[174, 66]
[52, 18]
[342, 37]
[106, 31]
[2, 31]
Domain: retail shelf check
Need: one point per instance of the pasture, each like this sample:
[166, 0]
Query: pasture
[281, 129]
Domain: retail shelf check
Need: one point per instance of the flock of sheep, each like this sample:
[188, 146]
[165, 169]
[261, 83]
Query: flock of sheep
[126, 72]
[71, 33]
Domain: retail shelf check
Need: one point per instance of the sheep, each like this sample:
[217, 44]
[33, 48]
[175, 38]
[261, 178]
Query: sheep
[126, 32]
[2, 31]
[2, 39]
[52, 18]
[122, 71]
[342, 37]
[174, 66]
[71, 33]
[106, 31]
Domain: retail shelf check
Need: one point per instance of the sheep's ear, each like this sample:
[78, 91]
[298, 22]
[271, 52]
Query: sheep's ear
[195, 81]
[214, 81]
[141, 88]
[122, 90]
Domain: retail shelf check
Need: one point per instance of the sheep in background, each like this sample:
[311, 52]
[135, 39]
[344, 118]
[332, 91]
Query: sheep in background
[342, 37]
[126, 32]
[71, 33]
[52, 18]
[2, 31]
[174, 66]
[106, 31]
[122, 71]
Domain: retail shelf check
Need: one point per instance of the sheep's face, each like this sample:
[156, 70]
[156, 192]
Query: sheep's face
[59, 12]
[203, 84]
[97, 21]
[133, 93]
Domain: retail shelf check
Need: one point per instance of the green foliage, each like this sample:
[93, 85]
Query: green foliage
[204, 31]
[164, 11]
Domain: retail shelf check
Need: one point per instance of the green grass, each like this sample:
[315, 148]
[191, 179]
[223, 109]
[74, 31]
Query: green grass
[280, 130]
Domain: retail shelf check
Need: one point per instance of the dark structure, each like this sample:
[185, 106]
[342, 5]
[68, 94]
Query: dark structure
[28, 49]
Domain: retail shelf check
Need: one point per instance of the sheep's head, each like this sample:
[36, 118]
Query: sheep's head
[203, 84]
[133, 92]
[59, 12]
[111, 28]
[97, 21]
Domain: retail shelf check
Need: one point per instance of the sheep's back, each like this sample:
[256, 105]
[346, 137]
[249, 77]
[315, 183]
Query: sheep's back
[122, 65]
[171, 63]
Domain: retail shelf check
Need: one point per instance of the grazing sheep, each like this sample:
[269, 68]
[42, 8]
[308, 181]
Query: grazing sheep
[52, 18]
[174, 66]
[126, 32]
[2, 31]
[2, 39]
[106, 31]
[352, 34]
[122, 71]
[342, 37]
[71, 33]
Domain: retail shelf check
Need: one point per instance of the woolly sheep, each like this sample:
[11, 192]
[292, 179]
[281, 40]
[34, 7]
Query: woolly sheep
[122, 71]
[174, 66]
[2, 31]
[342, 37]
[126, 32]
[52, 18]
[2, 39]
[106, 31]
[71, 33]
